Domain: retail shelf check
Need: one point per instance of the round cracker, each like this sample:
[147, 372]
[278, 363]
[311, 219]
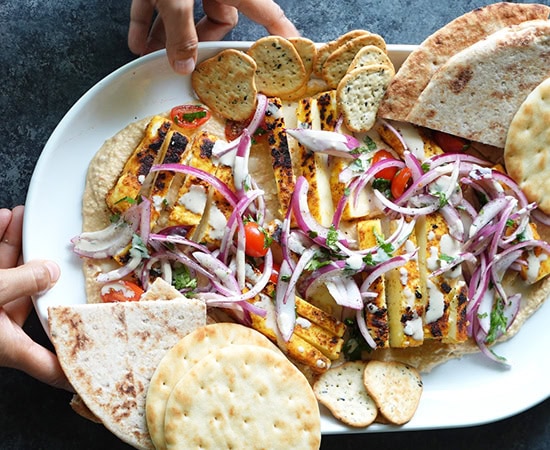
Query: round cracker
[369, 55]
[342, 391]
[527, 148]
[338, 62]
[395, 387]
[184, 355]
[359, 94]
[243, 396]
[280, 70]
[226, 84]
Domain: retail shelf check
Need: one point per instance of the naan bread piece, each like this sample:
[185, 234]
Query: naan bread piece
[416, 72]
[527, 149]
[477, 92]
[109, 352]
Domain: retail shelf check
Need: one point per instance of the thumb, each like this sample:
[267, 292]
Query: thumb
[26, 280]
[181, 36]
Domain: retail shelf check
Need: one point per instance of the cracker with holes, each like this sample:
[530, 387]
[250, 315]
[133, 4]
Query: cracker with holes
[370, 55]
[243, 396]
[341, 390]
[527, 149]
[359, 94]
[226, 84]
[338, 62]
[395, 387]
[181, 357]
[280, 70]
[326, 49]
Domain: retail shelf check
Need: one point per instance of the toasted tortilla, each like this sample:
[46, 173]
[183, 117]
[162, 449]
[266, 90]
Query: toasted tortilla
[110, 351]
[477, 92]
[416, 72]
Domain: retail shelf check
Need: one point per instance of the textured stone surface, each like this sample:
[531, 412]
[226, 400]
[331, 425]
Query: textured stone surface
[52, 53]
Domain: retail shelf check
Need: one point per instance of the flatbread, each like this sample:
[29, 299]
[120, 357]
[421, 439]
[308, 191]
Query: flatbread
[243, 396]
[109, 352]
[477, 92]
[182, 357]
[416, 72]
[527, 149]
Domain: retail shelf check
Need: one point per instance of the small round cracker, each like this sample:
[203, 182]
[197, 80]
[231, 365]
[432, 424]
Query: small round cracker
[359, 94]
[280, 70]
[307, 50]
[226, 84]
[327, 48]
[342, 391]
[527, 148]
[243, 396]
[185, 354]
[395, 387]
[338, 62]
[369, 55]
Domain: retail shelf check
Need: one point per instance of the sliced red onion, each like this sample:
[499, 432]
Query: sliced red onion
[362, 325]
[328, 142]
[345, 292]
[103, 243]
[394, 131]
[240, 165]
[221, 187]
[488, 212]
[125, 270]
[285, 305]
[428, 209]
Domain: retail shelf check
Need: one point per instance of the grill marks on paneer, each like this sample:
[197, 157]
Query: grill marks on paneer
[137, 167]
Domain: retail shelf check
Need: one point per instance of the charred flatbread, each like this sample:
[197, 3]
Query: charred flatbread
[416, 72]
[477, 92]
[109, 352]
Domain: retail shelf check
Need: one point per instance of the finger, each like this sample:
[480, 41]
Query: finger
[219, 20]
[141, 17]
[26, 280]
[11, 227]
[181, 36]
[19, 310]
[266, 13]
[20, 352]
[157, 36]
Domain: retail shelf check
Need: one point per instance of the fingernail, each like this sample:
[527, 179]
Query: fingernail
[53, 268]
[184, 66]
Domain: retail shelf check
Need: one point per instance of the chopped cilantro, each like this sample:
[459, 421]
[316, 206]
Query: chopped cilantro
[139, 246]
[182, 279]
[499, 322]
[355, 345]
[332, 238]
[383, 185]
[371, 145]
[448, 259]
[190, 117]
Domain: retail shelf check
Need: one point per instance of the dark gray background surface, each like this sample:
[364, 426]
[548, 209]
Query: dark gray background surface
[52, 53]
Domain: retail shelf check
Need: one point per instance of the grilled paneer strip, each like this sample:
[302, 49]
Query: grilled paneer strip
[376, 310]
[436, 249]
[280, 154]
[137, 167]
[458, 322]
[404, 297]
[193, 195]
[173, 151]
[537, 261]
[314, 166]
[320, 317]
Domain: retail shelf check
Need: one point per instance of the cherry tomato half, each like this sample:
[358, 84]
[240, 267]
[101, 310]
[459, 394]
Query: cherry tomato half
[189, 116]
[400, 182]
[389, 172]
[450, 143]
[256, 240]
[120, 291]
[233, 128]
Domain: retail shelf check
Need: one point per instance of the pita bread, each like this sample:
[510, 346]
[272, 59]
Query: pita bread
[110, 351]
[418, 69]
[477, 92]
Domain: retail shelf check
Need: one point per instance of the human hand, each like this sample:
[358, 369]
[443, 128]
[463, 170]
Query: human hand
[17, 283]
[174, 26]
